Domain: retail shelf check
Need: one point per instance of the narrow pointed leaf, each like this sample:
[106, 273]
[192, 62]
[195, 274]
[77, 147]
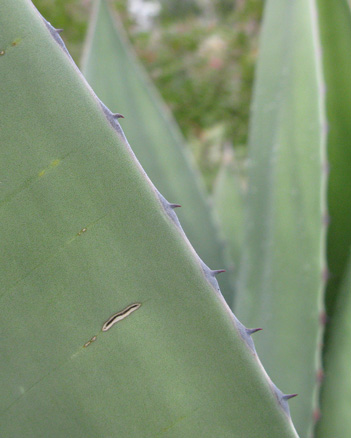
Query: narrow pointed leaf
[281, 282]
[88, 244]
[112, 69]
[335, 24]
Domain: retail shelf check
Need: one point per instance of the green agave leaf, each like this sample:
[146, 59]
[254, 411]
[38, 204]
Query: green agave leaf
[335, 24]
[229, 198]
[85, 237]
[335, 421]
[112, 69]
[336, 389]
[281, 277]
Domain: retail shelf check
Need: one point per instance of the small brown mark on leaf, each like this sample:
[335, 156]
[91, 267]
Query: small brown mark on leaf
[16, 42]
[316, 415]
[326, 167]
[320, 376]
[323, 318]
[89, 342]
[326, 219]
[325, 274]
[2, 52]
[83, 230]
[53, 164]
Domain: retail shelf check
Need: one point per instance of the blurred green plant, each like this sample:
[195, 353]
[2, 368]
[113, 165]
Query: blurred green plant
[184, 53]
[204, 70]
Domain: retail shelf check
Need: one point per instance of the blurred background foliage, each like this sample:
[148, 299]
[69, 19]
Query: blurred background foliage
[199, 53]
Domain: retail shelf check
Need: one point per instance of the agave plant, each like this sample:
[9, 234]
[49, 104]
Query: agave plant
[89, 242]
[296, 230]
[112, 325]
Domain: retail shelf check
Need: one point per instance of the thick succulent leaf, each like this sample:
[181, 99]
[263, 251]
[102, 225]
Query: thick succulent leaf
[335, 420]
[229, 199]
[281, 281]
[113, 71]
[85, 235]
[335, 24]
